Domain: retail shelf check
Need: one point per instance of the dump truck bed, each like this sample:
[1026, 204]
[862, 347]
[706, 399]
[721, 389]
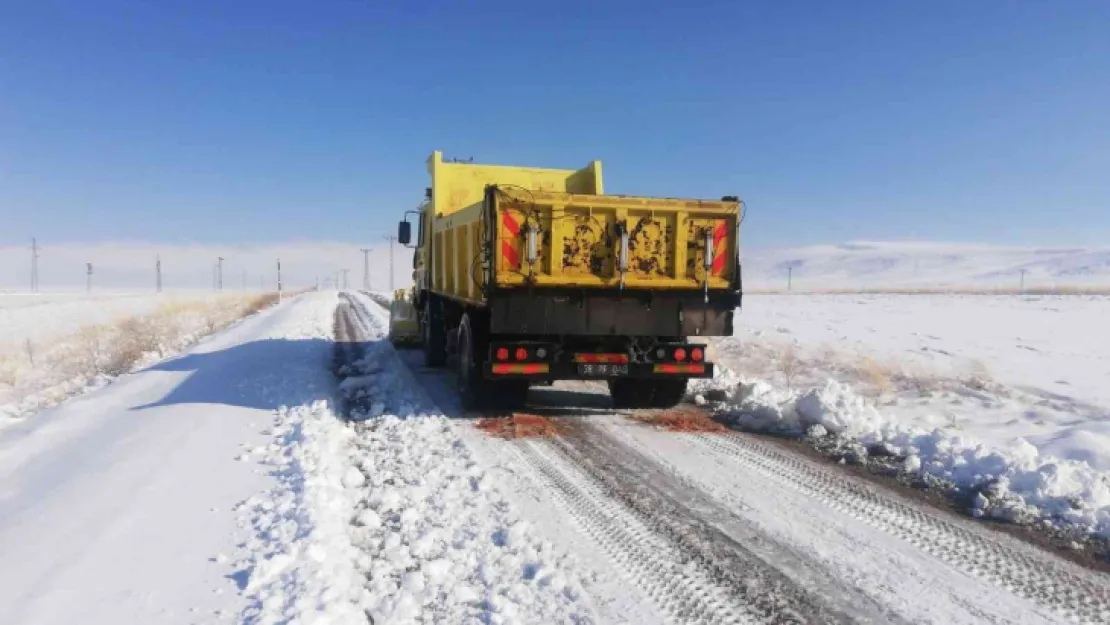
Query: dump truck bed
[520, 238]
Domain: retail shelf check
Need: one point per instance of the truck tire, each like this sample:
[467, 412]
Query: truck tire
[630, 393]
[475, 391]
[468, 370]
[646, 394]
[435, 335]
[668, 393]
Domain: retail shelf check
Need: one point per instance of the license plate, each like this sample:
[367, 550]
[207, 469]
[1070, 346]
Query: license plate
[599, 369]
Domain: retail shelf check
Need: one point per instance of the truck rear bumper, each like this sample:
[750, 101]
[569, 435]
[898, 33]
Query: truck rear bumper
[572, 371]
[597, 312]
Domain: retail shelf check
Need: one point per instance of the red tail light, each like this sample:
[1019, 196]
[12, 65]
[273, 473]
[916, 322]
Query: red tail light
[680, 354]
[521, 353]
[502, 353]
[697, 355]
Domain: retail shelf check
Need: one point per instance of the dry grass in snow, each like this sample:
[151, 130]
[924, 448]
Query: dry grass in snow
[37, 375]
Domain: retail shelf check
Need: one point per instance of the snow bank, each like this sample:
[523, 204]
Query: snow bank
[1016, 482]
[302, 563]
[389, 519]
[438, 537]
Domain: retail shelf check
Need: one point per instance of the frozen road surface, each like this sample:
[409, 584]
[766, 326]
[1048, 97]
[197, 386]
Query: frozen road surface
[240, 482]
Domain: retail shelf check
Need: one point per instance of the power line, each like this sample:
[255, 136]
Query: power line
[34, 265]
[391, 239]
[365, 269]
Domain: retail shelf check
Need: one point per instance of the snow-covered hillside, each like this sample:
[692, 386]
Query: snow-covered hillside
[866, 265]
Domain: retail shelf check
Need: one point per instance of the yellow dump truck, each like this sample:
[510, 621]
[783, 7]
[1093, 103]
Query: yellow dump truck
[527, 275]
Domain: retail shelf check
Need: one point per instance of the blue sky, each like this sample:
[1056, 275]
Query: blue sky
[258, 122]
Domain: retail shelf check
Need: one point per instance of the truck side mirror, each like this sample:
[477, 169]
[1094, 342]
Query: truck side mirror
[404, 233]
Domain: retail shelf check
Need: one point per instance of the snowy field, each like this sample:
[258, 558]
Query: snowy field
[1011, 393]
[40, 316]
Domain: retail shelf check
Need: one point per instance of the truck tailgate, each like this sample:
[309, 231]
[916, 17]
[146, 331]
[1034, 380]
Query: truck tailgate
[552, 239]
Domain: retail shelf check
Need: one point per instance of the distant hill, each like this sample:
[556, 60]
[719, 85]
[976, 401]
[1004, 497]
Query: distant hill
[866, 265]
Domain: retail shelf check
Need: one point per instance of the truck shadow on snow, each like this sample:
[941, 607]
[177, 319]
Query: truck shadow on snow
[263, 375]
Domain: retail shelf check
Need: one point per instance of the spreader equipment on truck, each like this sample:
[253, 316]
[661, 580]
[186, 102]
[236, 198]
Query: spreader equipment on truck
[527, 275]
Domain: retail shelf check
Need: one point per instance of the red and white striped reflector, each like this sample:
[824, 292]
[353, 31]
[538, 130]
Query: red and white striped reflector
[529, 369]
[680, 368]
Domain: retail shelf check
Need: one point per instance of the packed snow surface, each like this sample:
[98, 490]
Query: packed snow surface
[117, 507]
[1007, 394]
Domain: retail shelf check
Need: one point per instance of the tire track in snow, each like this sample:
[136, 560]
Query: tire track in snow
[683, 593]
[1075, 594]
[772, 583]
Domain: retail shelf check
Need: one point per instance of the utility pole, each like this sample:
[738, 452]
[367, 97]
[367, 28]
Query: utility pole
[219, 273]
[158, 273]
[391, 239]
[789, 278]
[1023, 281]
[88, 277]
[365, 269]
[279, 279]
[34, 265]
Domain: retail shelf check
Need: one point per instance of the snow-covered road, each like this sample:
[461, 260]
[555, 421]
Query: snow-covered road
[225, 486]
[709, 529]
[117, 507]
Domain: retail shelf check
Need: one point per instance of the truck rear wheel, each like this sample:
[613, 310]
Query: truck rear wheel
[434, 334]
[668, 393]
[475, 391]
[630, 393]
[647, 393]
